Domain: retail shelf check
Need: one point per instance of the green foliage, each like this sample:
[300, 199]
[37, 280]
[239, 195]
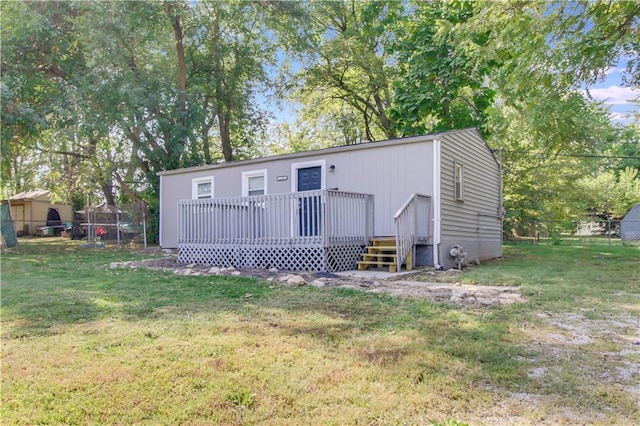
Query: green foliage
[241, 398]
[449, 422]
[351, 70]
[98, 97]
[538, 119]
[439, 86]
[611, 194]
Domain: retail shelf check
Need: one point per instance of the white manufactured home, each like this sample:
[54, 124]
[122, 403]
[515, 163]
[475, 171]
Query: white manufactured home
[423, 200]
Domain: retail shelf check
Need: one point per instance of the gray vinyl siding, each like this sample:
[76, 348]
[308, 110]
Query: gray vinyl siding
[390, 170]
[475, 222]
[630, 225]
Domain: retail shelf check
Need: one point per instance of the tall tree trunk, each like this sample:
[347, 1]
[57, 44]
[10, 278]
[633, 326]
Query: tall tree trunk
[107, 190]
[222, 112]
[176, 23]
[225, 136]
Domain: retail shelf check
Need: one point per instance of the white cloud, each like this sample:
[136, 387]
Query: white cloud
[620, 117]
[614, 95]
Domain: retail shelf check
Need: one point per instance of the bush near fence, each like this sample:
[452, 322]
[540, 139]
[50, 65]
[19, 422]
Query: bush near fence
[586, 231]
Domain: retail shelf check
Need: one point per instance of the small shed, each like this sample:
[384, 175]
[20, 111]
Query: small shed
[630, 225]
[32, 210]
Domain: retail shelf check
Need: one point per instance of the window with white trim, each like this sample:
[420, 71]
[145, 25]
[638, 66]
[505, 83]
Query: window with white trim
[254, 182]
[458, 181]
[202, 188]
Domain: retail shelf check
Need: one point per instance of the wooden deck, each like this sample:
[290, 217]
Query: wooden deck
[313, 230]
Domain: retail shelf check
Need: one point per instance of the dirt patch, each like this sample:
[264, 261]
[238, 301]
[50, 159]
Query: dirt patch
[573, 333]
[401, 286]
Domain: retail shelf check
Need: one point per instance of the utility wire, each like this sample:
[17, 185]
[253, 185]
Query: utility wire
[600, 156]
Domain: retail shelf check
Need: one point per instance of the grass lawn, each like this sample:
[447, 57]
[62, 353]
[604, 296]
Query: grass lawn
[86, 344]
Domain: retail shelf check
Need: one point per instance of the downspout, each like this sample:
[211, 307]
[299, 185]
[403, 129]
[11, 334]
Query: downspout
[436, 204]
[160, 214]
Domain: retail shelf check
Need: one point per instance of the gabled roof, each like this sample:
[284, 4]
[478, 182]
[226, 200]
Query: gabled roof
[633, 214]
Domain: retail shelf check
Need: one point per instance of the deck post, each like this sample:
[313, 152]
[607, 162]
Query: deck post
[310, 230]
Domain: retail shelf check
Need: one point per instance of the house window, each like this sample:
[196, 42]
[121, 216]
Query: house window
[254, 183]
[458, 176]
[202, 188]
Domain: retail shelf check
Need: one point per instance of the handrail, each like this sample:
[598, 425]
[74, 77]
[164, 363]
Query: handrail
[412, 225]
[405, 206]
[322, 217]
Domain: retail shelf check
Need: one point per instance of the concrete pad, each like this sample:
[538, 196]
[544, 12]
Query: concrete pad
[373, 274]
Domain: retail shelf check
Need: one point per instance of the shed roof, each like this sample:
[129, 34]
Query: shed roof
[633, 214]
[30, 195]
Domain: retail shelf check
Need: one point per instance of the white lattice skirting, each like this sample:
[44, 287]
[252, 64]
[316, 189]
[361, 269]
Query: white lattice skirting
[294, 258]
[631, 236]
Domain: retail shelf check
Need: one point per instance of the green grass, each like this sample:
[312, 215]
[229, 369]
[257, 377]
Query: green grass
[86, 344]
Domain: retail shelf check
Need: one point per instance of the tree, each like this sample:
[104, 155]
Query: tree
[103, 95]
[439, 87]
[349, 67]
[520, 58]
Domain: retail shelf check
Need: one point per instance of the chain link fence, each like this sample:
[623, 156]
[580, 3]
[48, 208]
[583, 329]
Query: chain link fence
[124, 224]
[581, 232]
[96, 225]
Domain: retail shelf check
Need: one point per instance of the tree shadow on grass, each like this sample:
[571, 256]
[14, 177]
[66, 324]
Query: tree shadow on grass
[331, 317]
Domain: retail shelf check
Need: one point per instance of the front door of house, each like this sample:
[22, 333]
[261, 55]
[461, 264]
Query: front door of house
[309, 179]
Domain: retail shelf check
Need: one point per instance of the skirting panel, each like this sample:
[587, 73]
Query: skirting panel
[294, 258]
[343, 257]
[631, 236]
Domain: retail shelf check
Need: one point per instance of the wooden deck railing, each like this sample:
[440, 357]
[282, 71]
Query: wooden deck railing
[324, 217]
[412, 225]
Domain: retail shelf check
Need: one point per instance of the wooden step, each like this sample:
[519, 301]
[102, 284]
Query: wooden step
[384, 241]
[372, 249]
[364, 264]
[381, 253]
[379, 257]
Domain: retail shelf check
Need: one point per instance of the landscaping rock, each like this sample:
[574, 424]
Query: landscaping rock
[319, 283]
[456, 299]
[459, 292]
[477, 296]
[284, 278]
[296, 281]
[487, 301]
[509, 298]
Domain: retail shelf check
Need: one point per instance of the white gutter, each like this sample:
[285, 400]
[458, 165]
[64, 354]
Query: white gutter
[436, 204]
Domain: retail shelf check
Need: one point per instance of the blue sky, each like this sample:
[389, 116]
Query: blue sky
[613, 93]
[619, 98]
